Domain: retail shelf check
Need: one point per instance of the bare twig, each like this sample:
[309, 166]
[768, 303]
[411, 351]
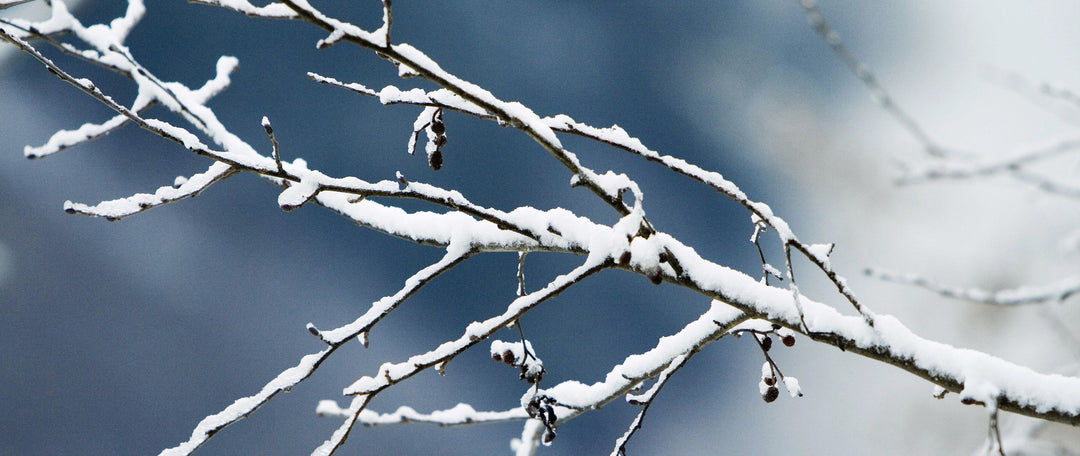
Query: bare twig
[866, 76]
[1055, 292]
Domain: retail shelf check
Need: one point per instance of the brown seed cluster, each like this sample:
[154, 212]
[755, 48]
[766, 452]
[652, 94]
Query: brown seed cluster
[437, 128]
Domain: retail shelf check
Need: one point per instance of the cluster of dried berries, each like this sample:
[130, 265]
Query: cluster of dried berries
[541, 407]
[532, 369]
[438, 129]
[770, 373]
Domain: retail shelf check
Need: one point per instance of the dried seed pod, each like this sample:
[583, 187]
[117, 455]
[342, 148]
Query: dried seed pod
[549, 436]
[440, 140]
[788, 340]
[438, 127]
[508, 357]
[435, 160]
[497, 357]
[550, 417]
[656, 277]
[771, 394]
[770, 381]
[663, 257]
[766, 343]
[532, 376]
[624, 259]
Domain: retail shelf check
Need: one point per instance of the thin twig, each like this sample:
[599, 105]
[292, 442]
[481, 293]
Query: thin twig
[867, 77]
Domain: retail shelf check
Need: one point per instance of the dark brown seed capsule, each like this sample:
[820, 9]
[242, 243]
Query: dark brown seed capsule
[438, 127]
[771, 394]
[770, 381]
[788, 340]
[435, 159]
[766, 343]
[440, 140]
[508, 357]
[663, 257]
[497, 357]
[656, 277]
[624, 259]
[549, 436]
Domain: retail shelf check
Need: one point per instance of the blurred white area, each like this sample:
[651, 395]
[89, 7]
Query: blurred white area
[834, 153]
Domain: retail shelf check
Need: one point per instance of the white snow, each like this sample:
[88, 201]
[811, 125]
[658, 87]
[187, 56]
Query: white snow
[792, 385]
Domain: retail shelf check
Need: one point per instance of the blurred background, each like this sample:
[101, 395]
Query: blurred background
[117, 338]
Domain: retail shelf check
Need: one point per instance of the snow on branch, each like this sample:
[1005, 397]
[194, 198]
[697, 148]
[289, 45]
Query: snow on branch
[465, 229]
[1020, 390]
[124, 207]
[334, 339]
[366, 388]
[617, 137]
[458, 415]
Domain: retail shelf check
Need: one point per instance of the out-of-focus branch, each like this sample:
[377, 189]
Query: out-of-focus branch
[1055, 292]
[868, 79]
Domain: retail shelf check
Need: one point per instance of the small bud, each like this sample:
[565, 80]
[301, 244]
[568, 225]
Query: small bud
[624, 259]
[438, 127]
[663, 257]
[508, 357]
[788, 340]
[766, 343]
[549, 436]
[775, 326]
[656, 277]
[497, 357]
[771, 394]
[769, 381]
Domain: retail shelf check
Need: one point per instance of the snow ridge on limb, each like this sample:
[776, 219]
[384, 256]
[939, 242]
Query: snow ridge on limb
[1046, 396]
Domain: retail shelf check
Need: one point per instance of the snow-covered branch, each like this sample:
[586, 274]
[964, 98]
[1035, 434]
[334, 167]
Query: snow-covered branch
[634, 243]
